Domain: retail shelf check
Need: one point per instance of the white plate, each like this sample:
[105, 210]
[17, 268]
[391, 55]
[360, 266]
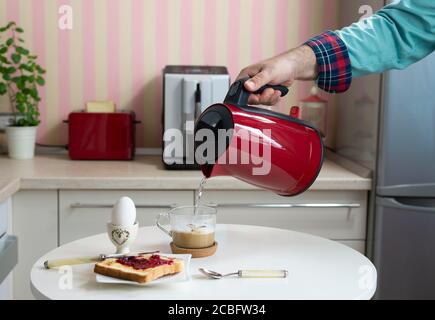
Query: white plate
[178, 277]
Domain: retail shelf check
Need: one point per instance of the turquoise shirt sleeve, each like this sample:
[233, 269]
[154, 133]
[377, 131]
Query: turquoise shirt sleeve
[393, 38]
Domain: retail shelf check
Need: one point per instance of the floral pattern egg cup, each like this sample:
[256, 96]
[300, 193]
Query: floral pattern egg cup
[122, 236]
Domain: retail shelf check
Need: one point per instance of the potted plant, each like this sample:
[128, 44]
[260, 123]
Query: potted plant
[20, 78]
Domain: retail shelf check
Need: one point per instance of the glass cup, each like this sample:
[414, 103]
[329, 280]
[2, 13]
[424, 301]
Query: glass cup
[190, 229]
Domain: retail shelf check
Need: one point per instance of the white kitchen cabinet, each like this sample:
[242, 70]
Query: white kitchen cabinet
[43, 219]
[85, 212]
[34, 222]
[337, 215]
[6, 286]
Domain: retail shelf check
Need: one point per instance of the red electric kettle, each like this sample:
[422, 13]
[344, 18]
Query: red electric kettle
[264, 148]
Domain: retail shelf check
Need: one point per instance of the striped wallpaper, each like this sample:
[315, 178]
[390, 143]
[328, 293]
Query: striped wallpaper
[117, 48]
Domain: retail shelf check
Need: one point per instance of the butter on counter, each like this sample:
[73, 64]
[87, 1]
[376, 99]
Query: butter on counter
[101, 106]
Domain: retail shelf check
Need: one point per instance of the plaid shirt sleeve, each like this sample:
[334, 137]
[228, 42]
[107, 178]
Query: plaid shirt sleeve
[335, 71]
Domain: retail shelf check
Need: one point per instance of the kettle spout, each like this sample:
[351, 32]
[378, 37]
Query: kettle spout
[213, 170]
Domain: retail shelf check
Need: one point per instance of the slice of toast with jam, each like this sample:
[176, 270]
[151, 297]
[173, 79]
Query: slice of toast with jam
[140, 268]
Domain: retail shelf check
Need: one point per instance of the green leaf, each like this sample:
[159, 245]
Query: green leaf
[3, 88]
[9, 42]
[40, 80]
[34, 123]
[21, 122]
[20, 97]
[40, 70]
[34, 93]
[10, 70]
[3, 50]
[21, 107]
[16, 79]
[22, 51]
[18, 29]
[26, 67]
[6, 77]
[16, 58]
[21, 84]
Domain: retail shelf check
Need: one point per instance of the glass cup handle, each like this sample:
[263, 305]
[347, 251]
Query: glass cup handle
[159, 217]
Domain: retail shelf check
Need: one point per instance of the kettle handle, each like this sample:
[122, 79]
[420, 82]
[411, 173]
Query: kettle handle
[238, 95]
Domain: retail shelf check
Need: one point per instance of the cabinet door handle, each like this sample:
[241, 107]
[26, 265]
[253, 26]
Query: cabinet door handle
[286, 205]
[228, 205]
[79, 205]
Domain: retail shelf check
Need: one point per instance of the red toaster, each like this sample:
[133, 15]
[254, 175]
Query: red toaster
[101, 136]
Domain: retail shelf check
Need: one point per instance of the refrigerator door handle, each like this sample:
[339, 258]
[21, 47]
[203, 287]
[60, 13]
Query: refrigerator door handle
[415, 204]
[407, 190]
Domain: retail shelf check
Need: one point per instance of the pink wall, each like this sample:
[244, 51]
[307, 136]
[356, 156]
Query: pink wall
[97, 59]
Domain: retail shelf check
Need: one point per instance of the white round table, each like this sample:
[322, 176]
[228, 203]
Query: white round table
[318, 268]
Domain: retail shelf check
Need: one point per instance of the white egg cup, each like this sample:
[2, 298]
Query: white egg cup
[122, 236]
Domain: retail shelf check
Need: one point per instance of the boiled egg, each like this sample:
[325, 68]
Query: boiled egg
[124, 212]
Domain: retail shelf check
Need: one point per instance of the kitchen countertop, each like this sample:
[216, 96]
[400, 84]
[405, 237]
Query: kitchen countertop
[8, 186]
[145, 172]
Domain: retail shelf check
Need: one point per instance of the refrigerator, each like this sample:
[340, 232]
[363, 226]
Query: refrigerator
[402, 224]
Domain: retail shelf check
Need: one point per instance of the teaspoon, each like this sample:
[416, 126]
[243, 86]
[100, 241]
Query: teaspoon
[246, 274]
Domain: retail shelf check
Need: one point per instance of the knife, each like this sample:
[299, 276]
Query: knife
[50, 264]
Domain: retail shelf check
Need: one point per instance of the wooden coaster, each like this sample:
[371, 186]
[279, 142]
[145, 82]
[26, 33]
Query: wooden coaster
[196, 253]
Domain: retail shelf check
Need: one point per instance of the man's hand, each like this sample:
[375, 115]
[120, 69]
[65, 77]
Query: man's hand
[296, 64]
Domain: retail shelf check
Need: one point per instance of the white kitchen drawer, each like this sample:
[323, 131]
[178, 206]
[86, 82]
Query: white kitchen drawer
[310, 215]
[84, 213]
[35, 223]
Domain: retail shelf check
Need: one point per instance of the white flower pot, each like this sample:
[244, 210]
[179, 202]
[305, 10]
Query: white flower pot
[21, 142]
